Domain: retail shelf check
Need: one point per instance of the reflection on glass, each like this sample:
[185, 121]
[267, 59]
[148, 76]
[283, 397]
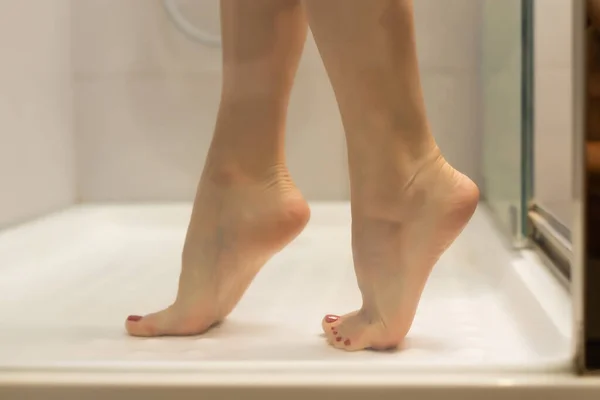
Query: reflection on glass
[502, 119]
[553, 114]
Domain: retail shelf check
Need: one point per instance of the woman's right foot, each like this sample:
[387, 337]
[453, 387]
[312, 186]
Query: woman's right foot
[400, 227]
[238, 223]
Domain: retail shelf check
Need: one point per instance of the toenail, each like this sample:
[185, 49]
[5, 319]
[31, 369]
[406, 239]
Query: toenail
[347, 342]
[335, 332]
[331, 318]
[333, 328]
[338, 339]
[134, 318]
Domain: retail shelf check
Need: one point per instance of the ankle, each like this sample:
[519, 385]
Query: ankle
[232, 172]
[407, 148]
[383, 162]
[391, 182]
[247, 141]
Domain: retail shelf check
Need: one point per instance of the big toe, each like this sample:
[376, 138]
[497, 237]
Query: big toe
[168, 322]
[146, 326]
[329, 322]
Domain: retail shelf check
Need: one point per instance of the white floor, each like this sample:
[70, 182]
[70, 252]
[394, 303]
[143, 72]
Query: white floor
[68, 281]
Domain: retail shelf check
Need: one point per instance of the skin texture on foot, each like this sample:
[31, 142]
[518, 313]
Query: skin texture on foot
[247, 207]
[234, 230]
[395, 251]
[408, 204]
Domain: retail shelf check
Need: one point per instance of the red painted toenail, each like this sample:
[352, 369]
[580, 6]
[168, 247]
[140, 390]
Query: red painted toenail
[338, 339]
[134, 318]
[347, 342]
[331, 318]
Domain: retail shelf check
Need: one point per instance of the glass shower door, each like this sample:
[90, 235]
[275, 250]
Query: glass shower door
[503, 114]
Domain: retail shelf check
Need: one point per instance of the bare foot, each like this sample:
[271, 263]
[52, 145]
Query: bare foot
[237, 225]
[397, 239]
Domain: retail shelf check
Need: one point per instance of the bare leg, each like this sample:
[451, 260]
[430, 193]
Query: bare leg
[408, 203]
[247, 207]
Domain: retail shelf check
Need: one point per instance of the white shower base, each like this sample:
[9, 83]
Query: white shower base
[68, 281]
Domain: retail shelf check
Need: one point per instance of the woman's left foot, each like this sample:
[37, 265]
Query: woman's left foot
[237, 225]
[397, 237]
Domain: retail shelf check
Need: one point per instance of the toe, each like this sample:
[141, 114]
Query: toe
[347, 332]
[172, 321]
[330, 318]
[334, 332]
[334, 339]
[134, 318]
[329, 321]
[142, 326]
[332, 321]
[350, 344]
[165, 322]
[342, 342]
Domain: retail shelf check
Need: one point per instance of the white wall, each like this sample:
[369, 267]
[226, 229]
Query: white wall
[553, 102]
[36, 149]
[448, 44]
[146, 98]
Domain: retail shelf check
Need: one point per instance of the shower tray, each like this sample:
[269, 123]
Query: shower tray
[69, 280]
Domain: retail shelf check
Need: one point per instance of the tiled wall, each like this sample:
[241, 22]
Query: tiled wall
[146, 98]
[553, 102]
[36, 148]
